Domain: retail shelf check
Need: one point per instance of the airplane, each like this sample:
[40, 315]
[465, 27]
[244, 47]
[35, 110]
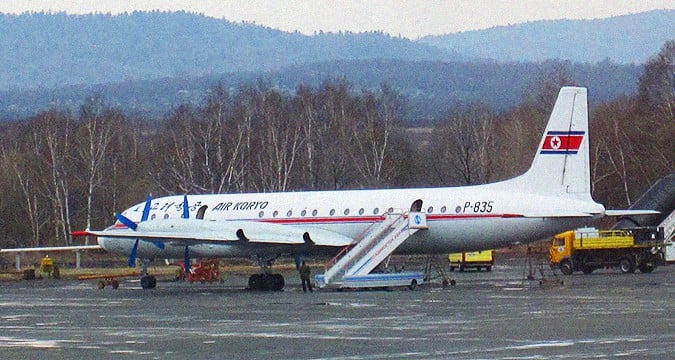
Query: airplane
[554, 195]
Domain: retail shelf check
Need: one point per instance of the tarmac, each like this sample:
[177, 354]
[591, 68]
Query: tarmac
[487, 315]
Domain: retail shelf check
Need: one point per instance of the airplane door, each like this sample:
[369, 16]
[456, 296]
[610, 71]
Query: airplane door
[201, 211]
[416, 206]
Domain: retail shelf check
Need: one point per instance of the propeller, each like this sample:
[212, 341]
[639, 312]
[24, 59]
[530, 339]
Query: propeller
[132, 225]
[186, 215]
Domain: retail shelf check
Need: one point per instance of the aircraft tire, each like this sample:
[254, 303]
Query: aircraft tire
[148, 282]
[115, 284]
[278, 282]
[254, 282]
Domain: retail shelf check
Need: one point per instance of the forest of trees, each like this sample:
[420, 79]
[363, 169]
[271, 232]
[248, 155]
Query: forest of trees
[66, 170]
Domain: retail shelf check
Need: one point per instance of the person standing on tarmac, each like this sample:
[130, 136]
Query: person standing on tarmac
[305, 273]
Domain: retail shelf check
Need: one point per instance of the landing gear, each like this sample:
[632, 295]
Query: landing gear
[266, 281]
[147, 281]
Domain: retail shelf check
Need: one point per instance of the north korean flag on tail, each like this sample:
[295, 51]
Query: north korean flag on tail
[562, 142]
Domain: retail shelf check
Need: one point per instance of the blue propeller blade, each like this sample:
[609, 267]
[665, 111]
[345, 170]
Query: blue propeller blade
[146, 209]
[126, 221]
[187, 259]
[186, 209]
[132, 256]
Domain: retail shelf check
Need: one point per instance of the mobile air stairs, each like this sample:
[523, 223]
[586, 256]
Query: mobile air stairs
[352, 267]
[668, 225]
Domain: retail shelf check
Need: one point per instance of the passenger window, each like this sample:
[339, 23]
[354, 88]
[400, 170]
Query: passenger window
[430, 209]
[289, 213]
[346, 211]
[303, 213]
[314, 212]
[275, 213]
[261, 214]
[444, 209]
[166, 216]
[376, 211]
[361, 211]
[153, 217]
[332, 212]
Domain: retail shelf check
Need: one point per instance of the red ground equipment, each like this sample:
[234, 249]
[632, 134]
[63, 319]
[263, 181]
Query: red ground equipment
[203, 271]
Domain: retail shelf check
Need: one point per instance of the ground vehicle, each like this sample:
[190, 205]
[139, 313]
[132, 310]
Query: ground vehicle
[588, 249]
[475, 259]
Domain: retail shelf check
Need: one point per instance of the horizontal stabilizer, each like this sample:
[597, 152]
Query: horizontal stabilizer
[52, 248]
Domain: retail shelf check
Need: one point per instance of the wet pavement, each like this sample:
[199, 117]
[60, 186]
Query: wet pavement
[495, 315]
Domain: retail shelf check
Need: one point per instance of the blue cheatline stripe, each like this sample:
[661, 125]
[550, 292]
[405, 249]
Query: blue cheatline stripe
[559, 152]
[565, 133]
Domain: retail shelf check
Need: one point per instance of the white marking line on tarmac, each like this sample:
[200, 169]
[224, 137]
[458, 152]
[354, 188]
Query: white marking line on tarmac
[9, 342]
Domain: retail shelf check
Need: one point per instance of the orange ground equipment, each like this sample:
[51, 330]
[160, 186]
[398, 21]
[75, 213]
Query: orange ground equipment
[204, 271]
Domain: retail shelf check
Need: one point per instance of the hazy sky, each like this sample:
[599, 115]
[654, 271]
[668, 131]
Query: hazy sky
[410, 19]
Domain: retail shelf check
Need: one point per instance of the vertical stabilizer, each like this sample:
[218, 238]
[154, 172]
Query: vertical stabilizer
[561, 164]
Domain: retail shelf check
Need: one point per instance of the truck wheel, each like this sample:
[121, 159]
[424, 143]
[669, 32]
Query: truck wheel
[413, 284]
[646, 268]
[627, 266]
[587, 269]
[566, 267]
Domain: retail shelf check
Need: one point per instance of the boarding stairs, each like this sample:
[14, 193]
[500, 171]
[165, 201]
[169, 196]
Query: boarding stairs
[372, 247]
[668, 225]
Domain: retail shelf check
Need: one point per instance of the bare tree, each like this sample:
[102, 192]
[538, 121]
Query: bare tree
[656, 87]
[278, 146]
[467, 144]
[51, 142]
[98, 124]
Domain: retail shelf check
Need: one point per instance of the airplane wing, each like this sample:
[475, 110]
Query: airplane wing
[562, 213]
[194, 231]
[556, 213]
[630, 212]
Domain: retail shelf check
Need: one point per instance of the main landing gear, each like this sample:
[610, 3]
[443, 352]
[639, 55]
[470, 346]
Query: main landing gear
[266, 281]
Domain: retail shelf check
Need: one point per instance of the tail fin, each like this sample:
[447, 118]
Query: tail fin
[561, 164]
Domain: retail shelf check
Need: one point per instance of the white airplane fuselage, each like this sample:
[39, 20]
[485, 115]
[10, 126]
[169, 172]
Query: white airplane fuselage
[460, 219]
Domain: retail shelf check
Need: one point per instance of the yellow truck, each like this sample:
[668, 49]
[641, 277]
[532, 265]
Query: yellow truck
[475, 259]
[588, 249]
